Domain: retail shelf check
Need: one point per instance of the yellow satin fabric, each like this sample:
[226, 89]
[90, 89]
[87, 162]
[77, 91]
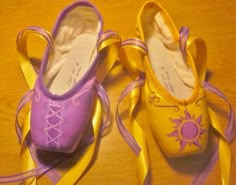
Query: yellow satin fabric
[110, 46]
[131, 57]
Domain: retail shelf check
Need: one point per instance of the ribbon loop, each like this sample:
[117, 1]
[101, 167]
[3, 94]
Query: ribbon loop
[199, 55]
[23, 57]
[198, 49]
[132, 53]
[108, 47]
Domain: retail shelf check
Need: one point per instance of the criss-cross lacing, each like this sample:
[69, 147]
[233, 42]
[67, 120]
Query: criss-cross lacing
[54, 111]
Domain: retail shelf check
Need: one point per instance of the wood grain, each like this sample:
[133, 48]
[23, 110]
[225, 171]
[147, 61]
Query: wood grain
[115, 164]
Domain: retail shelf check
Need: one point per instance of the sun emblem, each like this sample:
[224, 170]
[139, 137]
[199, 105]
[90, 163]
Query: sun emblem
[188, 130]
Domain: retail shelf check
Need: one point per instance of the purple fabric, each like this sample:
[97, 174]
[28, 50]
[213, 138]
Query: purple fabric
[63, 122]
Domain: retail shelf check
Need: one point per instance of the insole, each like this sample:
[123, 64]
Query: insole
[77, 62]
[167, 61]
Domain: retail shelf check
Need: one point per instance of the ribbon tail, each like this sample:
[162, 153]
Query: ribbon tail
[132, 55]
[136, 140]
[224, 149]
[26, 158]
[139, 136]
[225, 161]
[143, 161]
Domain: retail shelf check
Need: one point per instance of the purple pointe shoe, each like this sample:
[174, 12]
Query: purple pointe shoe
[68, 101]
[65, 91]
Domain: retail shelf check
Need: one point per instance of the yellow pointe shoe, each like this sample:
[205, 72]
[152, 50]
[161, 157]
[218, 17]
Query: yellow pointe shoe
[170, 86]
[173, 94]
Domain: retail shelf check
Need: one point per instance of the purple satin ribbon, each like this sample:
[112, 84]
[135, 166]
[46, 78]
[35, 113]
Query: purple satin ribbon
[183, 37]
[105, 103]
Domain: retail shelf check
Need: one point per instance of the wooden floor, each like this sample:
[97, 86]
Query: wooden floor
[115, 164]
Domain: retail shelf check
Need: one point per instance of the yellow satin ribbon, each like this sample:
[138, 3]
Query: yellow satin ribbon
[132, 57]
[110, 46]
[199, 56]
[26, 158]
[23, 57]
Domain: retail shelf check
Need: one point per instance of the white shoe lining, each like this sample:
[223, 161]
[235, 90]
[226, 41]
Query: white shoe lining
[167, 61]
[75, 49]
